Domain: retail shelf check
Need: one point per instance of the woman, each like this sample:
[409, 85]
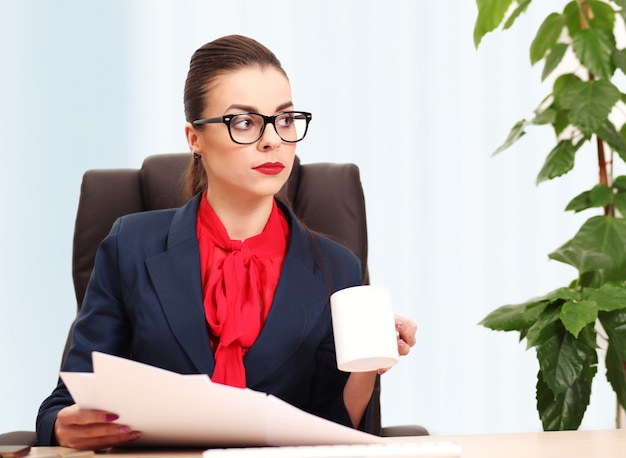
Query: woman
[230, 284]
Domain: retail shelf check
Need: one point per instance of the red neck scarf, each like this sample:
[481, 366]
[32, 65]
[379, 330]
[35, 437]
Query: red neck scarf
[238, 282]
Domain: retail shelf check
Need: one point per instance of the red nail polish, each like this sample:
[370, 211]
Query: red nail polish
[111, 417]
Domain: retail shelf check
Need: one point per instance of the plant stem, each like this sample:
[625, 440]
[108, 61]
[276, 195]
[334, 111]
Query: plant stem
[602, 164]
[602, 170]
[604, 178]
[585, 15]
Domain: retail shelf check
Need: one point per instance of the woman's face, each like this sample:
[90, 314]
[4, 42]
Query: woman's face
[244, 172]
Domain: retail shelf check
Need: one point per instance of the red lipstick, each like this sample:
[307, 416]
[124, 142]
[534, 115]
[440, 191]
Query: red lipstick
[270, 168]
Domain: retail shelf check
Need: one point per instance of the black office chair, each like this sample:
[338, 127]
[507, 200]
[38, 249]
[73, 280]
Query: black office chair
[327, 197]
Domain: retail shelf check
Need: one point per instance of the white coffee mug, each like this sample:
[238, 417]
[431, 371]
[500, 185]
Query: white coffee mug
[364, 328]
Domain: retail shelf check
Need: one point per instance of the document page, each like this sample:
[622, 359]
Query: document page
[189, 410]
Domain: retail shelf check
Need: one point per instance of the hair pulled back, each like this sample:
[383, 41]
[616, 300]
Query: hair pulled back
[214, 59]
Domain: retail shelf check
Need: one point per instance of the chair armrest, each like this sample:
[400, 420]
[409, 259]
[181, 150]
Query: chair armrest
[18, 438]
[404, 430]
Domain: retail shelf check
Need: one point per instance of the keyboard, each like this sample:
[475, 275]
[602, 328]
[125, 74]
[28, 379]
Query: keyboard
[437, 449]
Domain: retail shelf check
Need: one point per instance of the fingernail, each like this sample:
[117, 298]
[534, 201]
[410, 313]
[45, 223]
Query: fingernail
[123, 429]
[134, 435]
[401, 343]
[399, 324]
[111, 417]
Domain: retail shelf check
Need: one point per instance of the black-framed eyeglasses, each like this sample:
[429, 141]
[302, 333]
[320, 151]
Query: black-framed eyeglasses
[248, 128]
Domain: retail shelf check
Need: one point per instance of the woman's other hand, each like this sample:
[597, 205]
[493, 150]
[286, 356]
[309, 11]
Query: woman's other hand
[406, 330]
[90, 429]
[406, 334]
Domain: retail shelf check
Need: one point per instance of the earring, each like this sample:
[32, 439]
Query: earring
[196, 155]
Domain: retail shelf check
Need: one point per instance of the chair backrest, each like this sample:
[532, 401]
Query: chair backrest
[326, 197]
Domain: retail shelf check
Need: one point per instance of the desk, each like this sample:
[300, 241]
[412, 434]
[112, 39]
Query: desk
[561, 444]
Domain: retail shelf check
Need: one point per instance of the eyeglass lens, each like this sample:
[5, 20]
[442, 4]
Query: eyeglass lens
[248, 127]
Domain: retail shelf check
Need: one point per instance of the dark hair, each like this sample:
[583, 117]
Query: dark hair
[214, 59]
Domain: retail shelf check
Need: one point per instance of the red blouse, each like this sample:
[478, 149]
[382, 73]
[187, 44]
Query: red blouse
[239, 279]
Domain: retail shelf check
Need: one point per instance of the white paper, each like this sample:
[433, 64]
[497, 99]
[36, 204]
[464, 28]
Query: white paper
[307, 429]
[182, 410]
[82, 386]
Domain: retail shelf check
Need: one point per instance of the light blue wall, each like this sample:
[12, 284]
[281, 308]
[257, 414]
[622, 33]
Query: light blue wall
[395, 86]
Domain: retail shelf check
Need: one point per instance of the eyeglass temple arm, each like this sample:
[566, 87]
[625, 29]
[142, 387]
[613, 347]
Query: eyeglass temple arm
[208, 121]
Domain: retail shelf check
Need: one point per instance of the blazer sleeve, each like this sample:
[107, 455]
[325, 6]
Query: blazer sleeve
[329, 380]
[102, 325]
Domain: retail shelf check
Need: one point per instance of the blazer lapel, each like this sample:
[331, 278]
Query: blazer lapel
[298, 301]
[175, 275]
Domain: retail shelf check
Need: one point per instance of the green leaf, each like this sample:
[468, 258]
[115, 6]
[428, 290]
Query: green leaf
[594, 49]
[567, 294]
[616, 373]
[622, 133]
[516, 133]
[535, 313]
[513, 317]
[562, 83]
[565, 411]
[607, 132]
[619, 183]
[589, 337]
[521, 8]
[619, 202]
[559, 161]
[572, 18]
[608, 297]
[553, 59]
[583, 260]
[550, 312]
[541, 330]
[547, 35]
[599, 244]
[619, 59]
[614, 324]
[490, 15]
[561, 122]
[600, 195]
[576, 315]
[603, 16]
[589, 103]
[604, 234]
[561, 358]
[622, 8]
[579, 203]
[547, 116]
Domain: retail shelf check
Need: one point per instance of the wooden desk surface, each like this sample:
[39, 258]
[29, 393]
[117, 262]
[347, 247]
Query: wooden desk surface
[562, 444]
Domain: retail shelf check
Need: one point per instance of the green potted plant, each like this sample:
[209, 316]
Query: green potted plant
[566, 325]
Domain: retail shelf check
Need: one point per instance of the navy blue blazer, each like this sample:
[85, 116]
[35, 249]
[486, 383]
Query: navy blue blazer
[144, 301]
